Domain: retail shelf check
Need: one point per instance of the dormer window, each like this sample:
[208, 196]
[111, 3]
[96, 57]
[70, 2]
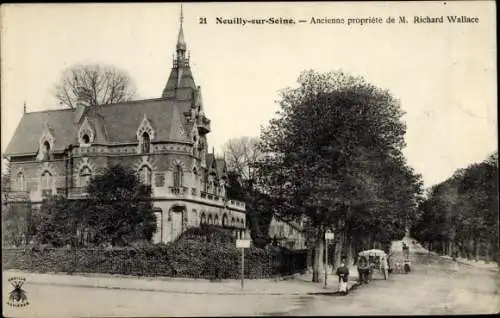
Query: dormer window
[45, 151]
[144, 134]
[86, 134]
[86, 139]
[146, 143]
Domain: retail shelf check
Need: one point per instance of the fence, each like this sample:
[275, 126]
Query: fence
[156, 261]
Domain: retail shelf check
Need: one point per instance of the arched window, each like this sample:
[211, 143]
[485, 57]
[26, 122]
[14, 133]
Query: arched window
[224, 220]
[45, 150]
[216, 220]
[146, 143]
[203, 218]
[20, 181]
[47, 183]
[178, 176]
[86, 139]
[232, 220]
[210, 219]
[145, 175]
[85, 175]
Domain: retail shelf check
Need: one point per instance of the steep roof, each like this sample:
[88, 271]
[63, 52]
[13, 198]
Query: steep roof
[113, 123]
[221, 166]
[210, 159]
[27, 135]
[180, 83]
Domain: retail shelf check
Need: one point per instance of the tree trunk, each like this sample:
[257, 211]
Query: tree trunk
[350, 259]
[309, 258]
[450, 248]
[318, 259]
[488, 246]
[476, 250]
[338, 249]
[470, 244]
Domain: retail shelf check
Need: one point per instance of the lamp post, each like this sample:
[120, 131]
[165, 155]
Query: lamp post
[328, 237]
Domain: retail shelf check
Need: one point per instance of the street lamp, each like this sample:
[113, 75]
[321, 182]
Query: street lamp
[328, 237]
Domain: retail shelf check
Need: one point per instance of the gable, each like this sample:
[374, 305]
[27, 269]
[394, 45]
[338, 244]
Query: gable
[26, 138]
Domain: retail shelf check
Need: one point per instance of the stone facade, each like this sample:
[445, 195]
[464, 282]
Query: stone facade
[287, 234]
[164, 140]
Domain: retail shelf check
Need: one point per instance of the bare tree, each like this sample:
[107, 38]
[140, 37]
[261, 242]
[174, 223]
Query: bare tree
[94, 84]
[240, 154]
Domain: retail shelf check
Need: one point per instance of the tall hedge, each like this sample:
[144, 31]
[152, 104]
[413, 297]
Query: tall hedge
[198, 253]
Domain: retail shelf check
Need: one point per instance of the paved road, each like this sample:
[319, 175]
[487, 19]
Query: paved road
[69, 301]
[436, 286]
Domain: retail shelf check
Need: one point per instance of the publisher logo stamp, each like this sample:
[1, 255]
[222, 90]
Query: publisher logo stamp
[17, 297]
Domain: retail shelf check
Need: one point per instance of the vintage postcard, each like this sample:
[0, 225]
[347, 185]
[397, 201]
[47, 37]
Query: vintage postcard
[249, 159]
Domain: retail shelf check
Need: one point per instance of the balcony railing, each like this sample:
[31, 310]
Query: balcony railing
[17, 195]
[178, 190]
[215, 197]
[81, 192]
[78, 192]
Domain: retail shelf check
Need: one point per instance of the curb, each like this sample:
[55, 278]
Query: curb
[170, 291]
[163, 290]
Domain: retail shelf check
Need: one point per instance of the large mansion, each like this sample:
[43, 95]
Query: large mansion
[164, 140]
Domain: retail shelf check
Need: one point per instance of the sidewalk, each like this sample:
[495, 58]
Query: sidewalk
[480, 264]
[300, 285]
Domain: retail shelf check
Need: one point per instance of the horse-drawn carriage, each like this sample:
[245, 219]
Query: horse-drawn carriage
[372, 264]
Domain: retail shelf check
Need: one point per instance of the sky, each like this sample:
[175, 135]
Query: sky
[443, 74]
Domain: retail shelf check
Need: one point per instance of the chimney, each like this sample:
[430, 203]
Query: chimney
[81, 104]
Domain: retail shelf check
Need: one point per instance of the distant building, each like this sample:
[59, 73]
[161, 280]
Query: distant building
[164, 140]
[287, 234]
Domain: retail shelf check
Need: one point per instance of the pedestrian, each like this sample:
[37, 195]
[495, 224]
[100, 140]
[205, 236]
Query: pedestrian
[343, 273]
[406, 251]
[363, 270]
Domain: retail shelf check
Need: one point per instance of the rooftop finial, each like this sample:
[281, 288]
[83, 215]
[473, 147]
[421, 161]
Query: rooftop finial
[24, 108]
[181, 44]
[182, 16]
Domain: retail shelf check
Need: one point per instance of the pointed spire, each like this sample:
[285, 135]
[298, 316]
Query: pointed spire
[181, 44]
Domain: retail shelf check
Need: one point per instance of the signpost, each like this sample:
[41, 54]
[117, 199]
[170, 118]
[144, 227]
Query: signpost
[328, 237]
[242, 244]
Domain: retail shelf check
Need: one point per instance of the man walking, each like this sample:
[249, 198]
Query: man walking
[343, 273]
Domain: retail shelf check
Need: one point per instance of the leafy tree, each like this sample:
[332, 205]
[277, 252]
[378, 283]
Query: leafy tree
[235, 189]
[461, 213]
[15, 220]
[93, 84]
[57, 221]
[119, 207]
[118, 211]
[326, 153]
